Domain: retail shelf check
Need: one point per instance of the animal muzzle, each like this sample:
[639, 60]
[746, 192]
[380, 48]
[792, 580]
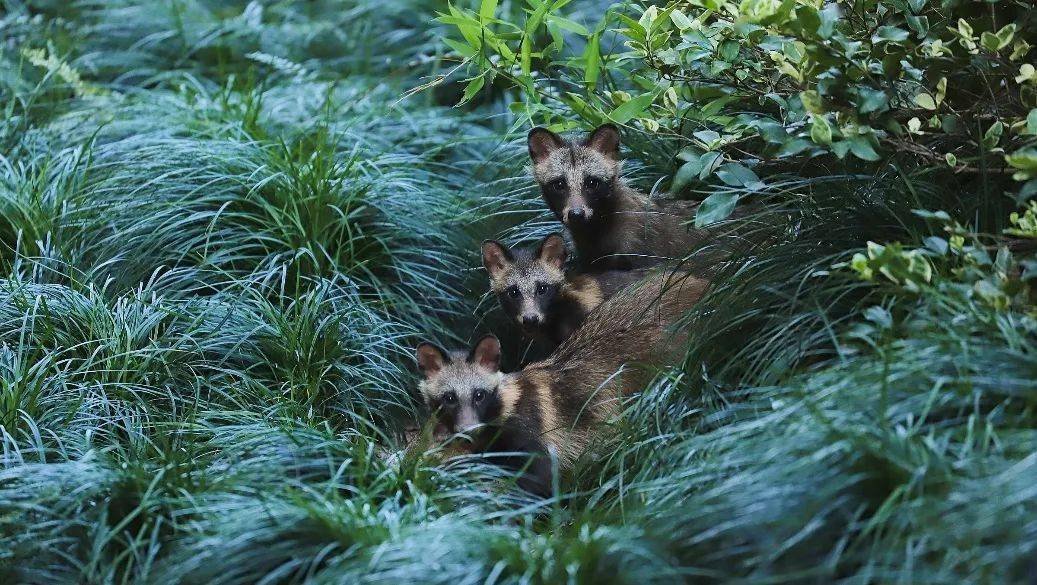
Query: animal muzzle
[577, 213]
[467, 421]
[531, 321]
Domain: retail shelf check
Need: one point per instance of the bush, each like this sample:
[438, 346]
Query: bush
[754, 88]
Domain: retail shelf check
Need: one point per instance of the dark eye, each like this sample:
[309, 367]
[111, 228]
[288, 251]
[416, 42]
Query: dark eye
[541, 290]
[449, 398]
[557, 184]
[513, 292]
[479, 395]
[592, 182]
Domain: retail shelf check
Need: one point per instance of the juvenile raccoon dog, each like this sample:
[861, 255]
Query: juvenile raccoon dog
[555, 406]
[613, 225]
[535, 291]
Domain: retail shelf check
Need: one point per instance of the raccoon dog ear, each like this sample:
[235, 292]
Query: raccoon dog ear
[486, 353]
[542, 142]
[495, 257]
[552, 251]
[605, 139]
[431, 359]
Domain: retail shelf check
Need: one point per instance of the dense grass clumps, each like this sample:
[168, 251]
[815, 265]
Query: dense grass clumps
[210, 284]
[224, 226]
[873, 449]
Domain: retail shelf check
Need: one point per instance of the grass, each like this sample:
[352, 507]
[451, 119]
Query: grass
[220, 239]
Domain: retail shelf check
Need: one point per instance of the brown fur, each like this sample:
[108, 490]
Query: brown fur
[515, 275]
[578, 387]
[623, 228]
[585, 291]
[643, 233]
[559, 405]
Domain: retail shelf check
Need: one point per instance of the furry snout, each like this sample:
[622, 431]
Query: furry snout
[577, 215]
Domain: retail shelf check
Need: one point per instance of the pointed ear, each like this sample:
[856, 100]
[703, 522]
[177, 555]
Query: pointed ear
[605, 139]
[431, 359]
[486, 353]
[552, 251]
[543, 142]
[495, 257]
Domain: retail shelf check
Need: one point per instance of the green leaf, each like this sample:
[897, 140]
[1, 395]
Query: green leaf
[710, 162]
[862, 149]
[889, 34]
[919, 24]
[738, 175]
[820, 130]
[1005, 35]
[680, 20]
[772, 131]
[872, 100]
[993, 135]
[635, 108]
[472, 88]
[569, 25]
[1020, 48]
[469, 28]
[634, 29]
[782, 13]
[592, 61]
[989, 41]
[811, 101]
[648, 17]
[1024, 160]
[829, 17]
[794, 147]
[526, 55]
[689, 153]
[951, 159]
[526, 48]
[717, 67]
[1031, 122]
[1027, 191]
[936, 244]
[964, 28]
[1027, 72]
[707, 136]
[716, 207]
[926, 101]
[487, 9]
[795, 51]
[941, 90]
[841, 149]
[688, 172]
[461, 48]
[808, 18]
[916, 5]
[729, 50]
[941, 215]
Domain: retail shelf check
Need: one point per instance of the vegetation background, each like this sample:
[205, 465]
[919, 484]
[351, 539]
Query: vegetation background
[224, 224]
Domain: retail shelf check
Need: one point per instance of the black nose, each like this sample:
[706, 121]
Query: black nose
[531, 321]
[577, 214]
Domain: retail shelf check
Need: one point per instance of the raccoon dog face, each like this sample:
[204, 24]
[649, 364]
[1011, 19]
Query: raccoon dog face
[462, 389]
[527, 282]
[577, 180]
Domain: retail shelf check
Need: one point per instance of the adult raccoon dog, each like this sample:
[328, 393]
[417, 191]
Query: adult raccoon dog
[614, 226]
[538, 294]
[555, 406]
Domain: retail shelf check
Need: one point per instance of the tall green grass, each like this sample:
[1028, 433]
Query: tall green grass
[221, 233]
